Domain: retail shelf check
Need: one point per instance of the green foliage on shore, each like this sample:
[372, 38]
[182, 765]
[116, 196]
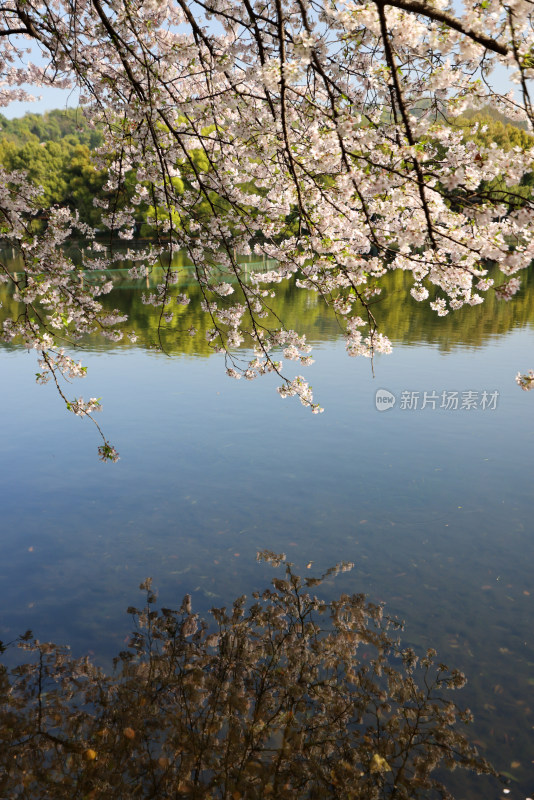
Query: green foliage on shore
[52, 126]
[494, 129]
[55, 148]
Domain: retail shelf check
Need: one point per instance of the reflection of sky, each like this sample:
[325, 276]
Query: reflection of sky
[434, 507]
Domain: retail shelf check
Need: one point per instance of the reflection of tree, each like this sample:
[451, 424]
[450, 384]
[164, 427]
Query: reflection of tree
[265, 703]
[394, 309]
[410, 321]
[293, 306]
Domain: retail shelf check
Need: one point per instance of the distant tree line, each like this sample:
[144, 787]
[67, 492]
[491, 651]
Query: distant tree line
[494, 128]
[56, 151]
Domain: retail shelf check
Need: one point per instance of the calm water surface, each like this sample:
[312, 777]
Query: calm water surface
[433, 505]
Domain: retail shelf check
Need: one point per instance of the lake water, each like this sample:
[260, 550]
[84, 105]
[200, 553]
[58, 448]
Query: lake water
[433, 505]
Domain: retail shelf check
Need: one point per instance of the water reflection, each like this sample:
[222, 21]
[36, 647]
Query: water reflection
[434, 507]
[292, 696]
[399, 316]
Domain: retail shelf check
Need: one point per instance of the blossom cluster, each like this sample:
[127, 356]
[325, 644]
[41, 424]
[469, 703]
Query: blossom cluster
[526, 381]
[318, 136]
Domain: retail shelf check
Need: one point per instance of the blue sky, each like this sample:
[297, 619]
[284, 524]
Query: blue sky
[68, 98]
[51, 98]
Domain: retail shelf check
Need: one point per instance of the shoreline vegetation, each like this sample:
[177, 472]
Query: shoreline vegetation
[59, 152]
